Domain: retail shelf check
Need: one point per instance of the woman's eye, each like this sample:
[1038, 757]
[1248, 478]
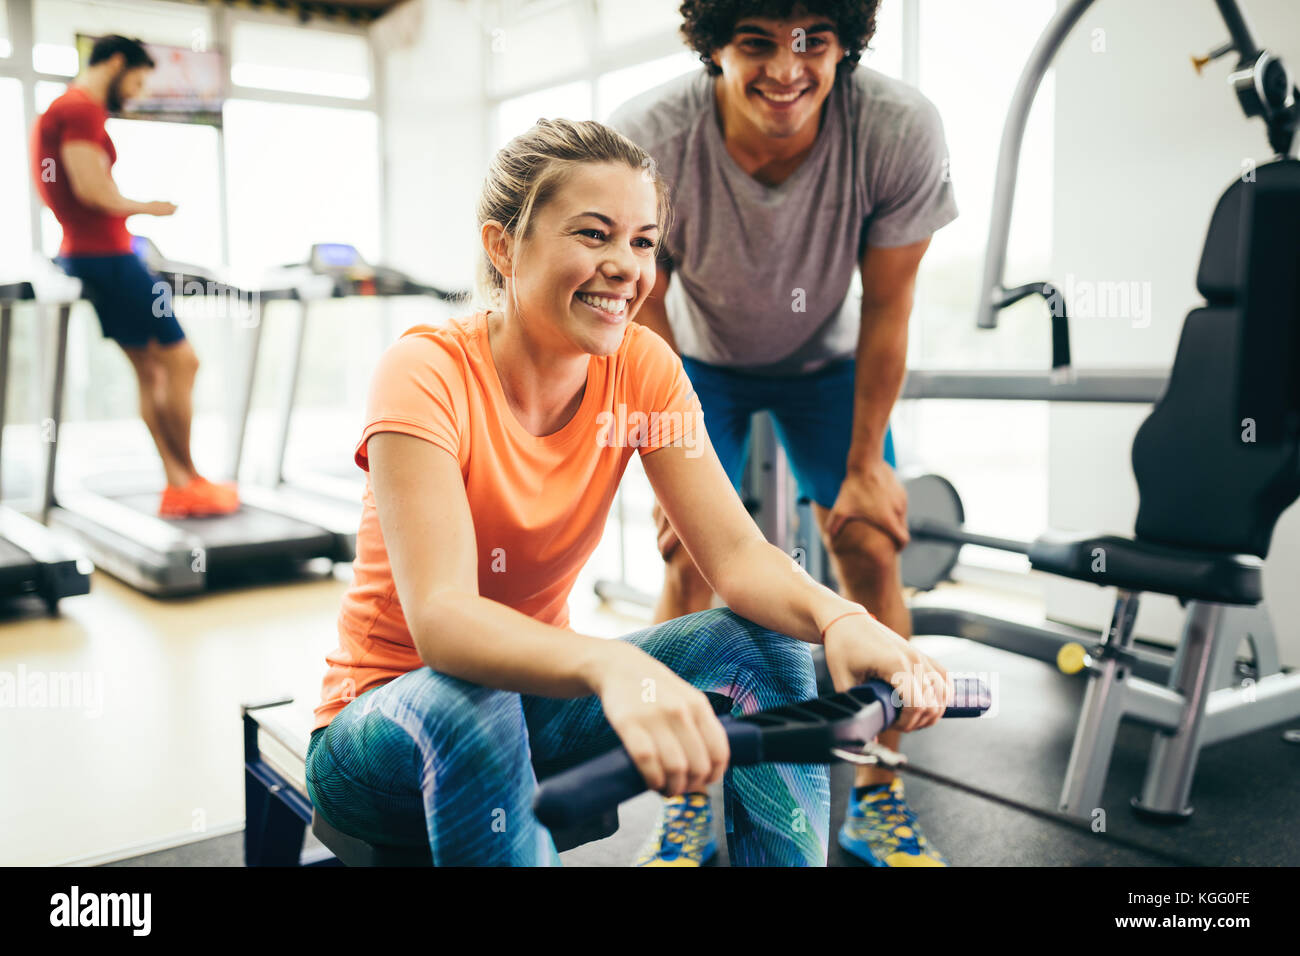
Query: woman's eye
[645, 243]
[593, 233]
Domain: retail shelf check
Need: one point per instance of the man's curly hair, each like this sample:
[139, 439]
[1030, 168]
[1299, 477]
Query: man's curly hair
[707, 25]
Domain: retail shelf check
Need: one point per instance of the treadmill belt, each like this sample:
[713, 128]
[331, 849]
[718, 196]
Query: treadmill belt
[248, 528]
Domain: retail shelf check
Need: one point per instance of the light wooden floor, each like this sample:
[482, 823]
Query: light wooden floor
[150, 753]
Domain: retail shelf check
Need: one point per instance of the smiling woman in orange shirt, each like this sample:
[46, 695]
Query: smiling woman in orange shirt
[494, 446]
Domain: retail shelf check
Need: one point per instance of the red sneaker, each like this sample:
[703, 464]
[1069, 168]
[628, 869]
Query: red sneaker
[199, 498]
[223, 491]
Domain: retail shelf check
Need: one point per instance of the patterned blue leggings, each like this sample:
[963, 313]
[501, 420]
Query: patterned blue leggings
[427, 757]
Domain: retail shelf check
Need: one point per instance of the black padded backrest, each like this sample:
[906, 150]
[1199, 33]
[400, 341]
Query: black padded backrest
[1219, 277]
[1268, 357]
[1203, 484]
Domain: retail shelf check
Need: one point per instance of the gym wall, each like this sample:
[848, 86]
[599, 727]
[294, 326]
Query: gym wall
[430, 60]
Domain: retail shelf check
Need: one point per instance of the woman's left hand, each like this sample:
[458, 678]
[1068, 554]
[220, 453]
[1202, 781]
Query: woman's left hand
[859, 648]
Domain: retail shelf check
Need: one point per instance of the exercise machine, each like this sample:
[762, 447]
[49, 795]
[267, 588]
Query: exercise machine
[33, 561]
[278, 811]
[1210, 493]
[832, 726]
[165, 557]
[578, 803]
[342, 272]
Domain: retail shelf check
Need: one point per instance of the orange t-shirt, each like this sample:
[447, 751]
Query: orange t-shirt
[539, 503]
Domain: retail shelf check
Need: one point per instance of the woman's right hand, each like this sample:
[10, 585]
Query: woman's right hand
[666, 725]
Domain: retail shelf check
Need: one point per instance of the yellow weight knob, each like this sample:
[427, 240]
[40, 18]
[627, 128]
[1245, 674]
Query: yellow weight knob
[1071, 658]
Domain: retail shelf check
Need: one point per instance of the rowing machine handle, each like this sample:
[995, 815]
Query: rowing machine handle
[592, 787]
[579, 793]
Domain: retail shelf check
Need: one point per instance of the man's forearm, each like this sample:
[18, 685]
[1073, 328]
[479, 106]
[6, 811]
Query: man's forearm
[881, 366]
[115, 204]
[105, 197]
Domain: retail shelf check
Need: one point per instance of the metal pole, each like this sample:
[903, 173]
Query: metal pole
[6, 325]
[290, 390]
[246, 399]
[1013, 134]
[22, 34]
[55, 421]
[1234, 18]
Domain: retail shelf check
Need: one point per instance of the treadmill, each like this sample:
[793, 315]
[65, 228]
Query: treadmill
[346, 273]
[32, 560]
[167, 557]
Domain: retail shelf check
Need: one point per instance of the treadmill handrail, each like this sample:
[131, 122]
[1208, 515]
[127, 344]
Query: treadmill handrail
[34, 538]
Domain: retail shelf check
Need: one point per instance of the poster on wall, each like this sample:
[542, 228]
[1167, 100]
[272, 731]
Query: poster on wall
[186, 86]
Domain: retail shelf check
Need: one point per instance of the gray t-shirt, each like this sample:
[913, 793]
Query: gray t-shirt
[747, 258]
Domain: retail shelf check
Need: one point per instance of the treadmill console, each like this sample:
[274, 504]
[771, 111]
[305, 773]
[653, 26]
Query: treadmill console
[353, 275]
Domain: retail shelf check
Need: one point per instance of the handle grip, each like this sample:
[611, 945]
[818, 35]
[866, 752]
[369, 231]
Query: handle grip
[592, 787]
[795, 733]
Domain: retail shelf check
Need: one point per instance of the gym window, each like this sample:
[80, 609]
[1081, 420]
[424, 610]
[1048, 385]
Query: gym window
[15, 239]
[299, 141]
[56, 24]
[273, 57]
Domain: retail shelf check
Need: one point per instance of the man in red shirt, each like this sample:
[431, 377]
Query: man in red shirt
[72, 160]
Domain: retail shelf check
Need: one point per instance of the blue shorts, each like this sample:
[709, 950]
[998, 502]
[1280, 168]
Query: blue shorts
[813, 416]
[134, 306]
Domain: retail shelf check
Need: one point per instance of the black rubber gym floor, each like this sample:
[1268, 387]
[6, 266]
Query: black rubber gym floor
[1245, 790]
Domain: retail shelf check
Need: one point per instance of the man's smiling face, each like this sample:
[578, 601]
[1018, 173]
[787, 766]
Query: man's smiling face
[778, 73]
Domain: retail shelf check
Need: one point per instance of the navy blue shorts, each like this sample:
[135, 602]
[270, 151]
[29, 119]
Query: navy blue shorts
[812, 414]
[134, 305]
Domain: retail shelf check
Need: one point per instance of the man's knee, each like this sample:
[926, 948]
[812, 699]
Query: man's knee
[148, 370]
[180, 361]
[865, 550]
[681, 574]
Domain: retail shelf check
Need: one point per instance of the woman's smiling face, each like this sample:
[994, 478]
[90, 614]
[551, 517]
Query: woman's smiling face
[588, 261]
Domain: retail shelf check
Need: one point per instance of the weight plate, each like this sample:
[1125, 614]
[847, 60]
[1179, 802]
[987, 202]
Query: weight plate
[926, 563]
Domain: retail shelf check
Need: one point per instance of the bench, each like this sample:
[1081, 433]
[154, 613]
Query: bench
[278, 812]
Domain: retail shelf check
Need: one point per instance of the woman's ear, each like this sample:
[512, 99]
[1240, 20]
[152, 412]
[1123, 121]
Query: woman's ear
[499, 246]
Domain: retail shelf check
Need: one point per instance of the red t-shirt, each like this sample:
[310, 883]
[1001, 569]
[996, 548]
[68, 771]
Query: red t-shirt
[73, 117]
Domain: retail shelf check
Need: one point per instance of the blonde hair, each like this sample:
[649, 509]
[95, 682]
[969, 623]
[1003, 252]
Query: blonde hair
[526, 173]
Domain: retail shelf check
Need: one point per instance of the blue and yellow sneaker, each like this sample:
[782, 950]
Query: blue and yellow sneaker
[684, 836]
[881, 830]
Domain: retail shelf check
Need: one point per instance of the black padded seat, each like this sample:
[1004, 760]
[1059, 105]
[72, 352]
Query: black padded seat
[1142, 566]
[353, 851]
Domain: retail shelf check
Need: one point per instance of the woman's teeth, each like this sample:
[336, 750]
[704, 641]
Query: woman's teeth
[613, 306]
